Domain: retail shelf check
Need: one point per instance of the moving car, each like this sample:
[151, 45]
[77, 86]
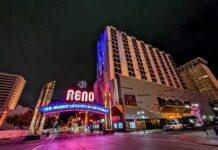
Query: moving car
[173, 126]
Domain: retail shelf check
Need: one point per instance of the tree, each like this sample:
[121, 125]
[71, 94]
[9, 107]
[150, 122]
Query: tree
[14, 120]
[20, 120]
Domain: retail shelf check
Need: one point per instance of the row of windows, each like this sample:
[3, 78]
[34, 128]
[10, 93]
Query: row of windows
[4, 92]
[6, 83]
[157, 66]
[7, 77]
[128, 56]
[147, 59]
[172, 73]
[139, 60]
[7, 80]
[172, 62]
[168, 64]
[164, 68]
[116, 56]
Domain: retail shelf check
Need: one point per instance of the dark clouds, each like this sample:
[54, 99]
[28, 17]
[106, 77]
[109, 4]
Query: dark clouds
[45, 40]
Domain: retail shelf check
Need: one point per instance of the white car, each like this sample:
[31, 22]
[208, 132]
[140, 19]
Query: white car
[173, 126]
[197, 125]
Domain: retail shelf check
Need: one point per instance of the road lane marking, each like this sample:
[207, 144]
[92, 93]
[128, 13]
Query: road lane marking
[37, 147]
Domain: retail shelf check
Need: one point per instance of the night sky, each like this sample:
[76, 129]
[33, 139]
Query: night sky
[56, 39]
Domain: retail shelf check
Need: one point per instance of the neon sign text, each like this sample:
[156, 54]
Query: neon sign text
[74, 107]
[78, 95]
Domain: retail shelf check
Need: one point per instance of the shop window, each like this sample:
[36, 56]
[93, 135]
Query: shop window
[120, 125]
[132, 125]
[115, 125]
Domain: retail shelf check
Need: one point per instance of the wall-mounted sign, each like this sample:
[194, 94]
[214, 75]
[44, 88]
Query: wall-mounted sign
[82, 96]
[130, 100]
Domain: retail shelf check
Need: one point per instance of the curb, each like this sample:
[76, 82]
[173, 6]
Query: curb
[208, 144]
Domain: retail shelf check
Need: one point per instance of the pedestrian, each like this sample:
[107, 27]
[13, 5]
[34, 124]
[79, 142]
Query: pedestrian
[144, 130]
[205, 129]
[47, 134]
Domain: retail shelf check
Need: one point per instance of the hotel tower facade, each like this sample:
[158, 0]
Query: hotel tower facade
[11, 87]
[145, 89]
[130, 57]
[197, 76]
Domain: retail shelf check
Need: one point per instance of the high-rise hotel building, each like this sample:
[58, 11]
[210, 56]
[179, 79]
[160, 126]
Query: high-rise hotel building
[130, 57]
[11, 87]
[196, 76]
[38, 119]
[143, 83]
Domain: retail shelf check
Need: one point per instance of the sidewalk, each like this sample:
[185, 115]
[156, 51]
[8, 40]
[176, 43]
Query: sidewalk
[200, 137]
[142, 132]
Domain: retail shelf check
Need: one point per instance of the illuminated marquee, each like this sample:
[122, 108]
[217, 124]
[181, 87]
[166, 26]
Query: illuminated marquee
[76, 100]
[78, 95]
[74, 107]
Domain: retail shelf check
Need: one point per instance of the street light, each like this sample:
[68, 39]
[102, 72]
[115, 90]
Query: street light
[196, 105]
[140, 112]
[187, 106]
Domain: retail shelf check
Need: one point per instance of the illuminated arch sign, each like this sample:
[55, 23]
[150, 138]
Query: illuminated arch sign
[76, 100]
[74, 107]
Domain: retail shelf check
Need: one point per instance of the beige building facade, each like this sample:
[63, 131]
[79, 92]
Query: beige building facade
[11, 87]
[144, 86]
[196, 76]
[128, 56]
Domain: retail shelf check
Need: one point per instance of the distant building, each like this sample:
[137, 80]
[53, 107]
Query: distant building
[196, 76]
[11, 87]
[142, 82]
[38, 119]
[19, 110]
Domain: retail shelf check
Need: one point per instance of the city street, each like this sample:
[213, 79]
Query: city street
[118, 141]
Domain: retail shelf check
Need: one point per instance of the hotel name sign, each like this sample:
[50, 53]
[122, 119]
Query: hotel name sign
[80, 96]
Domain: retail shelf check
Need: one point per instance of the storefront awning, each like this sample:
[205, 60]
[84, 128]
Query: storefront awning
[175, 109]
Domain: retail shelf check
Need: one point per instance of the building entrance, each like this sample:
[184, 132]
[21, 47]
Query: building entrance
[81, 122]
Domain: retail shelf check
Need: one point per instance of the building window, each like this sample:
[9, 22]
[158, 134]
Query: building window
[139, 60]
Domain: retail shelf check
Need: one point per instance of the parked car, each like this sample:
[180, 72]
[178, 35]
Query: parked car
[173, 126]
[197, 125]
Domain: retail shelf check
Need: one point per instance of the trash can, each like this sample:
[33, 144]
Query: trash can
[216, 129]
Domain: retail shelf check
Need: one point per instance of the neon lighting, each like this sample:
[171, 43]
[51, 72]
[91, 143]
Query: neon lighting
[74, 107]
[82, 84]
[78, 95]
[84, 96]
[101, 50]
[196, 112]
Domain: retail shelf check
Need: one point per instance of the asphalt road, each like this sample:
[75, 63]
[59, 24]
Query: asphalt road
[121, 141]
